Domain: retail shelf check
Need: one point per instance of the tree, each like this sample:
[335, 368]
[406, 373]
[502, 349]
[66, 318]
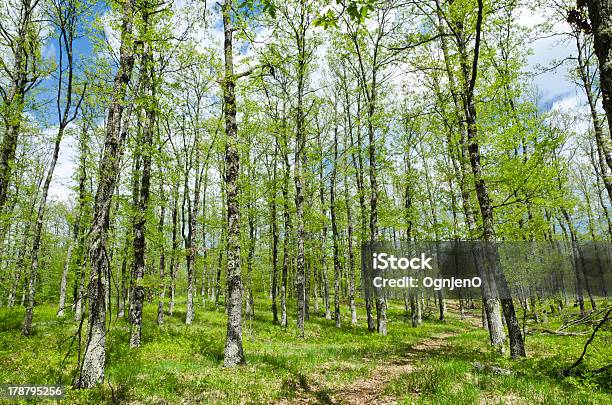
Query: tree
[517, 347]
[91, 370]
[20, 34]
[143, 190]
[600, 15]
[66, 16]
[334, 222]
[233, 345]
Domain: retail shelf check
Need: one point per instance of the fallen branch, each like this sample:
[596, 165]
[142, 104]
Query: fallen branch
[586, 346]
[561, 333]
[583, 319]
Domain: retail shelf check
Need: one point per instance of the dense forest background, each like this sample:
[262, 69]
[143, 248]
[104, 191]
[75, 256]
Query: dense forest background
[165, 162]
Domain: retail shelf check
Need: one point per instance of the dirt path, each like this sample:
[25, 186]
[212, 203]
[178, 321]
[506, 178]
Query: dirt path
[370, 390]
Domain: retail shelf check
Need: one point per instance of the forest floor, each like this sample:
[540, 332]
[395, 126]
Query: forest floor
[438, 362]
[371, 389]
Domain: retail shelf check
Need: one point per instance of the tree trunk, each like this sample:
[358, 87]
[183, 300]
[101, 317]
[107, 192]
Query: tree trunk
[578, 264]
[77, 228]
[414, 310]
[600, 14]
[324, 272]
[139, 242]
[174, 254]
[27, 323]
[83, 207]
[461, 166]
[204, 230]
[25, 47]
[603, 148]
[517, 348]
[190, 244]
[299, 165]
[287, 231]
[357, 159]
[92, 367]
[250, 303]
[162, 256]
[233, 345]
[371, 94]
[62, 298]
[274, 226]
[332, 208]
[66, 115]
[21, 258]
[351, 254]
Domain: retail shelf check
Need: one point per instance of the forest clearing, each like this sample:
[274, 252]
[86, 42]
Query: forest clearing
[305, 201]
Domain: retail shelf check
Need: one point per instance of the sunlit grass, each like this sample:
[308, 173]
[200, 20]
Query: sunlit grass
[178, 363]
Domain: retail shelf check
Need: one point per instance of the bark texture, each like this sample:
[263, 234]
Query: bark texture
[233, 345]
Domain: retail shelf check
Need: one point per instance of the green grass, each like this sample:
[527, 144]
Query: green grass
[181, 364]
[448, 375]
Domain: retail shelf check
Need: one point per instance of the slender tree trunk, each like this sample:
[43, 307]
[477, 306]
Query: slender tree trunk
[27, 323]
[371, 96]
[190, 254]
[204, 230]
[287, 233]
[300, 163]
[332, 208]
[77, 227]
[64, 119]
[217, 288]
[324, 272]
[250, 304]
[414, 310]
[517, 346]
[21, 258]
[252, 201]
[233, 345]
[62, 298]
[460, 160]
[174, 256]
[123, 293]
[274, 226]
[83, 207]
[81, 276]
[162, 256]
[91, 370]
[190, 243]
[363, 214]
[434, 219]
[139, 242]
[351, 254]
[579, 264]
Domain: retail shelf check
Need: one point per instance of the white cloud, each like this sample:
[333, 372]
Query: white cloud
[547, 51]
